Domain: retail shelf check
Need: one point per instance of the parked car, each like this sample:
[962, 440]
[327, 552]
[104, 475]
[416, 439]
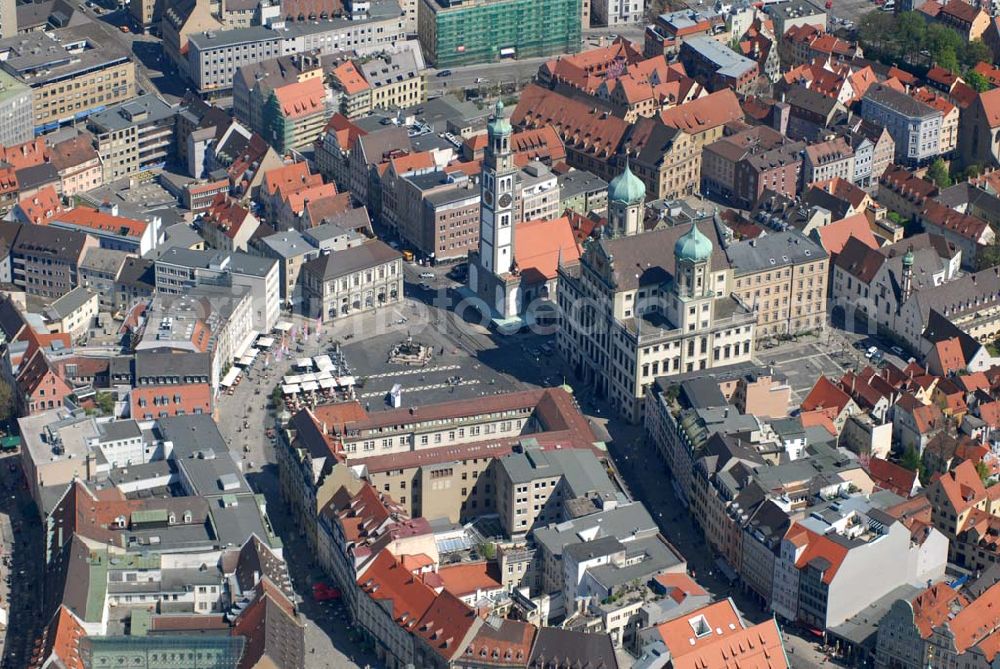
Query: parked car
[897, 350]
[427, 275]
[444, 73]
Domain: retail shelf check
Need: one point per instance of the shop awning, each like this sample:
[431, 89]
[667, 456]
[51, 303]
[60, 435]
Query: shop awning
[283, 326]
[310, 386]
[265, 342]
[245, 343]
[290, 388]
[230, 377]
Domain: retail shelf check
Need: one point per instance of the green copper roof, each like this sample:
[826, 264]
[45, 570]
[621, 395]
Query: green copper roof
[693, 246]
[627, 188]
[499, 125]
[908, 258]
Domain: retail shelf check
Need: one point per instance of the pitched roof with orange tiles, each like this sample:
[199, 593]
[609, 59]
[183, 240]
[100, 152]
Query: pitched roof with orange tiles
[541, 245]
[679, 586]
[590, 129]
[227, 215]
[468, 578]
[704, 113]
[756, 647]
[86, 217]
[405, 597]
[290, 178]
[537, 144]
[448, 625]
[322, 209]
[297, 200]
[822, 553]
[345, 131]
[825, 394]
[934, 605]
[410, 162]
[949, 352]
[890, 476]
[962, 486]
[301, 98]
[41, 207]
[818, 418]
[834, 237]
[991, 72]
[32, 153]
[274, 634]
[991, 105]
[350, 78]
[502, 642]
[989, 412]
[961, 11]
[978, 620]
[59, 643]
[679, 635]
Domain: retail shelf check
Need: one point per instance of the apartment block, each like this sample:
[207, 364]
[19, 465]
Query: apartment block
[451, 33]
[81, 73]
[133, 136]
[783, 276]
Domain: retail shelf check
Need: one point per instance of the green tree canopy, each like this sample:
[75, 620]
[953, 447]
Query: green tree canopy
[938, 173]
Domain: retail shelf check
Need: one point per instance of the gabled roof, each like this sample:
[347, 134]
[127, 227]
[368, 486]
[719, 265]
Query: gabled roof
[448, 625]
[756, 647]
[821, 552]
[704, 113]
[962, 486]
[934, 605]
[542, 245]
[350, 79]
[501, 642]
[834, 237]
[859, 260]
[826, 395]
[890, 476]
[405, 597]
[274, 634]
[59, 643]
[302, 98]
[949, 353]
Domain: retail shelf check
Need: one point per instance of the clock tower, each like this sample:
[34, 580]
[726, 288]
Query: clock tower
[496, 220]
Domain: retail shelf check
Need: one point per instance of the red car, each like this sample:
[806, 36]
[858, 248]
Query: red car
[324, 593]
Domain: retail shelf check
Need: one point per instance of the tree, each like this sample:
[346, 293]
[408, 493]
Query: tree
[6, 401]
[938, 173]
[983, 470]
[989, 256]
[105, 402]
[975, 52]
[912, 461]
[977, 82]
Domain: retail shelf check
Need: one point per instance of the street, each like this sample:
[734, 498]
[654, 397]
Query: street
[21, 591]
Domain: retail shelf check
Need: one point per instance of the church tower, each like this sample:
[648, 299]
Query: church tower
[496, 221]
[692, 276]
[626, 195]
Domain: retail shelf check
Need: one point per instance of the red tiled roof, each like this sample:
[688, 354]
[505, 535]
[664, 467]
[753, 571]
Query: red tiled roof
[87, 217]
[302, 98]
[826, 395]
[950, 354]
[933, 606]
[962, 486]
[41, 207]
[991, 72]
[405, 596]
[991, 105]
[350, 79]
[978, 620]
[834, 237]
[828, 554]
[890, 476]
[502, 642]
[60, 639]
[704, 113]
[756, 647]
[468, 578]
[680, 637]
[990, 413]
[590, 129]
[541, 244]
[446, 625]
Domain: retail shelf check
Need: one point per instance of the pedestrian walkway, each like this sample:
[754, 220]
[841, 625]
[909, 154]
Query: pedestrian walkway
[432, 386]
[415, 370]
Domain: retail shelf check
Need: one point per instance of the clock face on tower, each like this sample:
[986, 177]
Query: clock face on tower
[488, 198]
[504, 200]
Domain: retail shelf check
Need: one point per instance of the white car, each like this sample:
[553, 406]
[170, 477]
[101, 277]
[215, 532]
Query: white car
[427, 275]
[872, 350]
